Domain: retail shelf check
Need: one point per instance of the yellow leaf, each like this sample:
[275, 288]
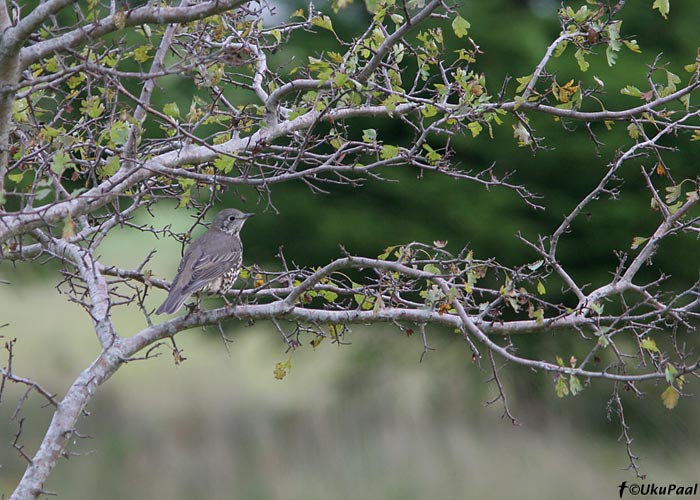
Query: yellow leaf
[323, 22]
[670, 397]
[68, 228]
[282, 368]
[561, 388]
[650, 345]
[120, 19]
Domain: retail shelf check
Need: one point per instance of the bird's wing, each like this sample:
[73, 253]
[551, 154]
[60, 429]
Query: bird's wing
[206, 259]
[200, 267]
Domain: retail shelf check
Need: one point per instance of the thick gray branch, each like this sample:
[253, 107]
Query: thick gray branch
[17, 35]
[141, 15]
[95, 282]
[62, 425]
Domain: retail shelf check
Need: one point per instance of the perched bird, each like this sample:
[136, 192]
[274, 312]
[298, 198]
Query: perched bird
[211, 263]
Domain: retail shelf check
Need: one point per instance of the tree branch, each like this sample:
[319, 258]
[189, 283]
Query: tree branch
[149, 14]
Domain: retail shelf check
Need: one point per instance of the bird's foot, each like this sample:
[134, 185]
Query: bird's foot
[193, 309]
[228, 305]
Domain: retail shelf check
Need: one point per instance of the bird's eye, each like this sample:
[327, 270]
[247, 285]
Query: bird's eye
[231, 217]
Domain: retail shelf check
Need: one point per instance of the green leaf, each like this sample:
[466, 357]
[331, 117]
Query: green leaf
[16, 177]
[650, 345]
[386, 253]
[632, 45]
[185, 199]
[141, 54]
[460, 26]
[323, 22]
[670, 373]
[369, 135]
[611, 53]
[378, 305]
[340, 79]
[523, 81]
[398, 19]
[580, 15]
[119, 133]
[561, 388]
[429, 111]
[582, 63]
[432, 269]
[540, 288]
[51, 133]
[171, 109]
[637, 241]
[632, 91]
[42, 193]
[513, 302]
[365, 302]
[432, 295]
[603, 341]
[559, 50]
[51, 65]
[536, 314]
[575, 385]
[224, 163]
[634, 130]
[328, 295]
[60, 161]
[475, 128]
[535, 265]
[391, 102]
[92, 106]
[597, 307]
[388, 152]
[673, 193]
[675, 207]
[335, 331]
[109, 168]
[664, 7]
[75, 80]
[432, 156]
[521, 133]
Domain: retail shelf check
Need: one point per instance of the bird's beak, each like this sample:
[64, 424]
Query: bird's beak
[248, 216]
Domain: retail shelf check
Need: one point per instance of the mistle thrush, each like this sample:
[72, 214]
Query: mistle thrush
[211, 263]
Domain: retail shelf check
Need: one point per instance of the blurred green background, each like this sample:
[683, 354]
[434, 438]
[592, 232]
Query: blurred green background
[367, 420]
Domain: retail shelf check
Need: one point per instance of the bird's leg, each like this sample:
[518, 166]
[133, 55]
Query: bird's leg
[237, 299]
[229, 305]
[194, 308]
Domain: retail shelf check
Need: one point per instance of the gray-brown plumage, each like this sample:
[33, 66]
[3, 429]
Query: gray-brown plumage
[212, 262]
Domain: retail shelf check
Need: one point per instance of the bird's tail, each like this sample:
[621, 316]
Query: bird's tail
[174, 301]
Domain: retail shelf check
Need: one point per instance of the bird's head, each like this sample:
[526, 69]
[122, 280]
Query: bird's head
[230, 221]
